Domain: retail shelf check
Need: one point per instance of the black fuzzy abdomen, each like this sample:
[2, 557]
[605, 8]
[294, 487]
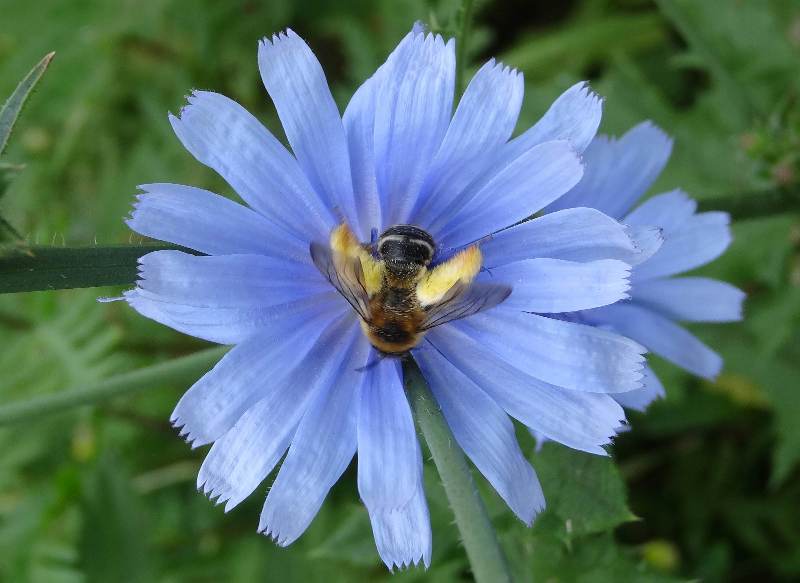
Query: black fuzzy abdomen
[394, 332]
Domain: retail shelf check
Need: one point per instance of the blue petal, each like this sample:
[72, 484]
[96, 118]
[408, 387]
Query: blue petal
[699, 240]
[483, 122]
[359, 125]
[579, 234]
[514, 191]
[284, 385]
[389, 460]
[691, 299]
[221, 134]
[322, 447]
[552, 285]
[660, 335]
[252, 370]
[242, 281]
[208, 223]
[648, 240]
[485, 433]
[574, 116]
[619, 172]
[413, 104]
[295, 81]
[640, 399]
[224, 325]
[390, 468]
[403, 535]
[573, 356]
[668, 211]
[226, 298]
[584, 421]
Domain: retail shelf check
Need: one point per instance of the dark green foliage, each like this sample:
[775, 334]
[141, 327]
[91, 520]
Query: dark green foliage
[107, 493]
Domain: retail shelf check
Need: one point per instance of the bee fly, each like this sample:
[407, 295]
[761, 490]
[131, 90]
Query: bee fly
[396, 296]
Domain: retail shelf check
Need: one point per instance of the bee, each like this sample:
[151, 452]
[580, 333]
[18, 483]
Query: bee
[391, 287]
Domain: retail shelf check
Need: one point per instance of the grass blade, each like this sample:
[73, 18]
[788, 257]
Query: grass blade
[13, 107]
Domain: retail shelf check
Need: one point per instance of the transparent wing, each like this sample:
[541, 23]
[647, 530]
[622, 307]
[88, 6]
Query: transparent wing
[464, 300]
[345, 274]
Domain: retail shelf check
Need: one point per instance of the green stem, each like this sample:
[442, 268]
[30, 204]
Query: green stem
[177, 371]
[483, 550]
[34, 268]
[465, 25]
[753, 205]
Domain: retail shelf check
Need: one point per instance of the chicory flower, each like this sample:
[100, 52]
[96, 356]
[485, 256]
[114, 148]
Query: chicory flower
[302, 379]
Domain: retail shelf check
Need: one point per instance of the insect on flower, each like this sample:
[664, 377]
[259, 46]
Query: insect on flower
[386, 230]
[395, 296]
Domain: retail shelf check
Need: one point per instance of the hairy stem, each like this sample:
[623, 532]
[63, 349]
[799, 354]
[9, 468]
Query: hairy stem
[483, 550]
[178, 371]
[35, 268]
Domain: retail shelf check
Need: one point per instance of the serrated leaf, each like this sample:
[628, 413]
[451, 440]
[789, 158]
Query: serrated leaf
[13, 106]
[585, 493]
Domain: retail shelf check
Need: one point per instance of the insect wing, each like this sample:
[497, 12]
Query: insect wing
[345, 274]
[464, 300]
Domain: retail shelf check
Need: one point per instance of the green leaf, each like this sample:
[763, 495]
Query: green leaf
[13, 107]
[585, 493]
[29, 269]
[751, 68]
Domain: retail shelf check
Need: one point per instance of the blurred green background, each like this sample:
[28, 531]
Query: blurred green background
[704, 487]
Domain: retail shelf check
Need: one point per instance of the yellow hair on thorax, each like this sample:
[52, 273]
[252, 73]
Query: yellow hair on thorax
[346, 244]
[461, 268]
